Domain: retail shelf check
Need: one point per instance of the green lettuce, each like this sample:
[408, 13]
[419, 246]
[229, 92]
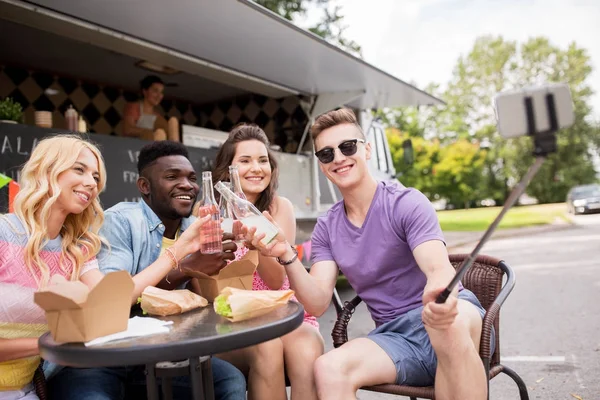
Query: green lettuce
[222, 308]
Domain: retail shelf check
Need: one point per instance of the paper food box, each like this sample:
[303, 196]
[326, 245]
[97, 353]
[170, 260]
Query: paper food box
[237, 274]
[76, 314]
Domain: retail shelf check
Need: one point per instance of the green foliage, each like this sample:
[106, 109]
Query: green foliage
[426, 154]
[288, 9]
[330, 28]
[457, 176]
[11, 110]
[494, 65]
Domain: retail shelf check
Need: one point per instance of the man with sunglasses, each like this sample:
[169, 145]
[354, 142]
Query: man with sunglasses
[387, 241]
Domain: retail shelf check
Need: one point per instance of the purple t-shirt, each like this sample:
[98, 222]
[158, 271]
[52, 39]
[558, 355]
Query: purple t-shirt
[377, 258]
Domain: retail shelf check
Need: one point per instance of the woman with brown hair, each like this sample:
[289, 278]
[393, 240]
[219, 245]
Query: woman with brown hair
[247, 147]
[142, 120]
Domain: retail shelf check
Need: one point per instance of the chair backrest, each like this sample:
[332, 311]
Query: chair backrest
[484, 279]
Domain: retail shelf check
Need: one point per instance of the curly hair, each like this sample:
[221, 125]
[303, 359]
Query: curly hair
[39, 191]
[242, 133]
[155, 150]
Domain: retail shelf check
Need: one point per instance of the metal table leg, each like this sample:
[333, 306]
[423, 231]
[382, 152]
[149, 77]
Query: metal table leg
[167, 388]
[207, 377]
[196, 379]
[151, 385]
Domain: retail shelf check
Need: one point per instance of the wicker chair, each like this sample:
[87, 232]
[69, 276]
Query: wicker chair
[39, 383]
[484, 279]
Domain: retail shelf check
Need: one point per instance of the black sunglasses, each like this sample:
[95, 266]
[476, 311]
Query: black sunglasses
[347, 147]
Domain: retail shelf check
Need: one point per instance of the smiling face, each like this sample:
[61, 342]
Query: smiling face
[252, 160]
[171, 187]
[154, 94]
[346, 172]
[79, 184]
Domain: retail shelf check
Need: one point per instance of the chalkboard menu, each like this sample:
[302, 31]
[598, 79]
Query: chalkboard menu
[120, 156]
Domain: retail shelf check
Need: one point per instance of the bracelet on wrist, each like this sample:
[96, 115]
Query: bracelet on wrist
[291, 260]
[172, 254]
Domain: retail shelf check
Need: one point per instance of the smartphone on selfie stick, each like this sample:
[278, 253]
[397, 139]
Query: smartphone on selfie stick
[538, 112]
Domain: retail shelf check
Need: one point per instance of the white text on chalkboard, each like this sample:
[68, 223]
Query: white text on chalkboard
[130, 176]
[16, 146]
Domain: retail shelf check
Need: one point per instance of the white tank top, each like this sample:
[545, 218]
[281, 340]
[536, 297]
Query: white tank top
[145, 121]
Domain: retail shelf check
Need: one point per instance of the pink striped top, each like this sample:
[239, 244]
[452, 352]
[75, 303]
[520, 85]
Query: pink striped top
[20, 317]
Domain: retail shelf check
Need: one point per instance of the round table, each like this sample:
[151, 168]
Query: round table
[200, 332]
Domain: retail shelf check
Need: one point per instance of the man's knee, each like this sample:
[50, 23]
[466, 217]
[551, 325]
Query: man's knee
[329, 369]
[464, 332]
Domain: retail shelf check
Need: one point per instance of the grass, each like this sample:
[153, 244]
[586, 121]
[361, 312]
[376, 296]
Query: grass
[478, 219]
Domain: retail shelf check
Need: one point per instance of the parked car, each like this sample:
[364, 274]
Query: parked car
[583, 199]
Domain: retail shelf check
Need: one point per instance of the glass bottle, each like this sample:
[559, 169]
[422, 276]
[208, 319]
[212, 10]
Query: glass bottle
[246, 212]
[71, 117]
[227, 216]
[236, 188]
[211, 230]
[236, 185]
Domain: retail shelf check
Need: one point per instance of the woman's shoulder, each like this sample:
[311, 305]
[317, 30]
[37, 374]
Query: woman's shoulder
[12, 230]
[282, 205]
[132, 109]
[10, 222]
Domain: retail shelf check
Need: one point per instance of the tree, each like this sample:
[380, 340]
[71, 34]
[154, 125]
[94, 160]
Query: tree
[405, 121]
[288, 9]
[573, 163]
[494, 65]
[330, 28]
[457, 176]
[426, 155]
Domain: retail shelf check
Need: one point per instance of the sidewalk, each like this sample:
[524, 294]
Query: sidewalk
[456, 240]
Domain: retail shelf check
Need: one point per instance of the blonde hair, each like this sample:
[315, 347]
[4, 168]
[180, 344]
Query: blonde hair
[39, 191]
[334, 118]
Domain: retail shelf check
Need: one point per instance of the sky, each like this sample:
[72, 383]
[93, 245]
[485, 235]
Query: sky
[419, 41]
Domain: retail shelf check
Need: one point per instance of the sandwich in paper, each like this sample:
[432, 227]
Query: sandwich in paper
[161, 302]
[239, 305]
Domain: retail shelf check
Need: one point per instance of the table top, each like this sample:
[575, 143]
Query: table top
[199, 332]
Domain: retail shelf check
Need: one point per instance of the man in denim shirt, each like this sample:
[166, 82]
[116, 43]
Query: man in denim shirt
[138, 234]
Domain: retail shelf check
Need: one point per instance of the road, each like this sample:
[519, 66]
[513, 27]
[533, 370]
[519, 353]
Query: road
[550, 324]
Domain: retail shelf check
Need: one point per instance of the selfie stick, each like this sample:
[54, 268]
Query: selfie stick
[544, 143]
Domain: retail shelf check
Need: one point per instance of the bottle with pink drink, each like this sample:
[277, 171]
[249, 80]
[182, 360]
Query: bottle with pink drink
[211, 230]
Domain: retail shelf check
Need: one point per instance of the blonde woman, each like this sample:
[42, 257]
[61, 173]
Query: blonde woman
[53, 231]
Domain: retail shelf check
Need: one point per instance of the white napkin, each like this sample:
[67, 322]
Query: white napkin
[136, 327]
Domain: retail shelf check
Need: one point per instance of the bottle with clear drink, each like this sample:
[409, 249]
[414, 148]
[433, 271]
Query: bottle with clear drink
[226, 214]
[236, 188]
[211, 230]
[236, 185]
[246, 212]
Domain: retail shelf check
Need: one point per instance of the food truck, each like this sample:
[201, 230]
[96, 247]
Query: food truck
[223, 62]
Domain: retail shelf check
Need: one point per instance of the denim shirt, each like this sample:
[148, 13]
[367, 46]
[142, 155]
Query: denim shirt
[135, 235]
